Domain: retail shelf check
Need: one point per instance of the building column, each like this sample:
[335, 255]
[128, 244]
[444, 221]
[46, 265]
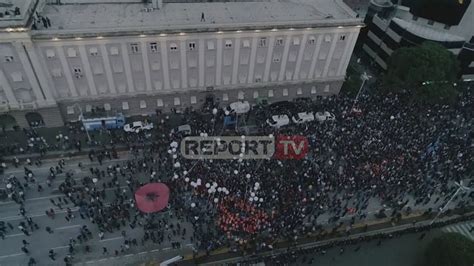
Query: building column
[87, 69]
[300, 56]
[269, 58]
[128, 70]
[315, 56]
[284, 57]
[184, 65]
[219, 60]
[146, 65]
[165, 64]
[331, 53]
[12, 102]
[201, 62]
[107, 68]
[66, 71]
[253, 55]
[44, 82]
[235, 67]
[39, 95]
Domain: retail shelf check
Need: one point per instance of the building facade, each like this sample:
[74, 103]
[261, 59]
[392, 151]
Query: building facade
[134, 59]
[390, 27]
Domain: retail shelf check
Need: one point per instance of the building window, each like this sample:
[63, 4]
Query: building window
[225, 97]
[193, 100]
[159, 102]
[279, 42]
[246, 43]
[326, 88]
[262, 42]
[71, 52]
[276, 59]
[88, 108]
[311, 40]
[77, 72]
[270, 93]
[50, 53]
[342, 38]
[154, 47]
[177, 101]
[228, 44]
[134, 48]
[313, 90]
[93, 51]
[173, 47]
[70, 110]
[125, 106]
[327, 38]
[210, 45]
[142, 104]
[107, 107]
[255, 94]
[299, 91]
[192, 46]
[114, 51]
[56, 72]
[285, 92]
[17, 77]
[296, 41]
[241, 95]
[8, 58]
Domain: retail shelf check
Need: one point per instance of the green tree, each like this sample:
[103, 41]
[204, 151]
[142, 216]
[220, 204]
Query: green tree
[428, 72]
[449, 249]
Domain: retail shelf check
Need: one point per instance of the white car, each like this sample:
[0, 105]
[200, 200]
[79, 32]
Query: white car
[278, 121]
[303, 117]
[238, 107]
[325, 116]
[137, 127]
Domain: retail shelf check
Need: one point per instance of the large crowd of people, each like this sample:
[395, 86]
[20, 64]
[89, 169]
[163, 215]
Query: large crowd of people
[383, 151]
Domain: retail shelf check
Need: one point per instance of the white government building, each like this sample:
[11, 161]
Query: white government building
[133, 57]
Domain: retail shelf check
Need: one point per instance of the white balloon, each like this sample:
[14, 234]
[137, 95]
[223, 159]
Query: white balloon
[193, 184]
[175, 156]
[236, 172]
[243, 136]
[198, 182]
[169, 151]
[208, 185]
[95, 180]
[214, 184]
[255, 188]
[216, 200]
[227, 192]
[177, 165]
[173, 150]
[186, 179]
[219, 189]
[175, 176]
[255, 198]
[261, 200]
[185, 172]
[252, 194]
[214, 111]
[9, 185]
[193, 205]
[247, 175]
[251, 199]
[257, 184]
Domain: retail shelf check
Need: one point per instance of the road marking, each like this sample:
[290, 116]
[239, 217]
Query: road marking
[12, 255]
[111, 239]
[167, 248]
[155, 250]
[190, 244]
[15, 235]
[61, 247]
[68, 227]
[129, 255]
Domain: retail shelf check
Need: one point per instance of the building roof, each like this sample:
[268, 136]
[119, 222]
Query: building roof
[119, 17]
[11, 20]
[427, 32]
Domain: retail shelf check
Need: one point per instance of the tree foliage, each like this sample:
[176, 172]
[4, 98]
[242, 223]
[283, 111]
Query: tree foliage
[427, 72]
[449, 249]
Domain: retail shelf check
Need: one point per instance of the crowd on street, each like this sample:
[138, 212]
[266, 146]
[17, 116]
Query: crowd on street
[403, 156]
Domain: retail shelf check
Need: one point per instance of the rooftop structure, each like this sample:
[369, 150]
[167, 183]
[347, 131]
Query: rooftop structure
[118, 18]
[15, 13]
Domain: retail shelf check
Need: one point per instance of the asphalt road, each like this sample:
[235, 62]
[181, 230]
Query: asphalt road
[41, 241]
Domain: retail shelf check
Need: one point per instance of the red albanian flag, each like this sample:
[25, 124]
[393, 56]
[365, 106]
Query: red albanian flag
[152, 197]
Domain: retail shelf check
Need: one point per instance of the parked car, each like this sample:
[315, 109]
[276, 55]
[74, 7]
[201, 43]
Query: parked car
[303, 117]
[325, 116]
[238, 107]
[137, 127]
[278, 121]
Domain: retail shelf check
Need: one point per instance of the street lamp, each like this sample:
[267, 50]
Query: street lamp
[81, 117]
[460, 187]
[364, 77]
